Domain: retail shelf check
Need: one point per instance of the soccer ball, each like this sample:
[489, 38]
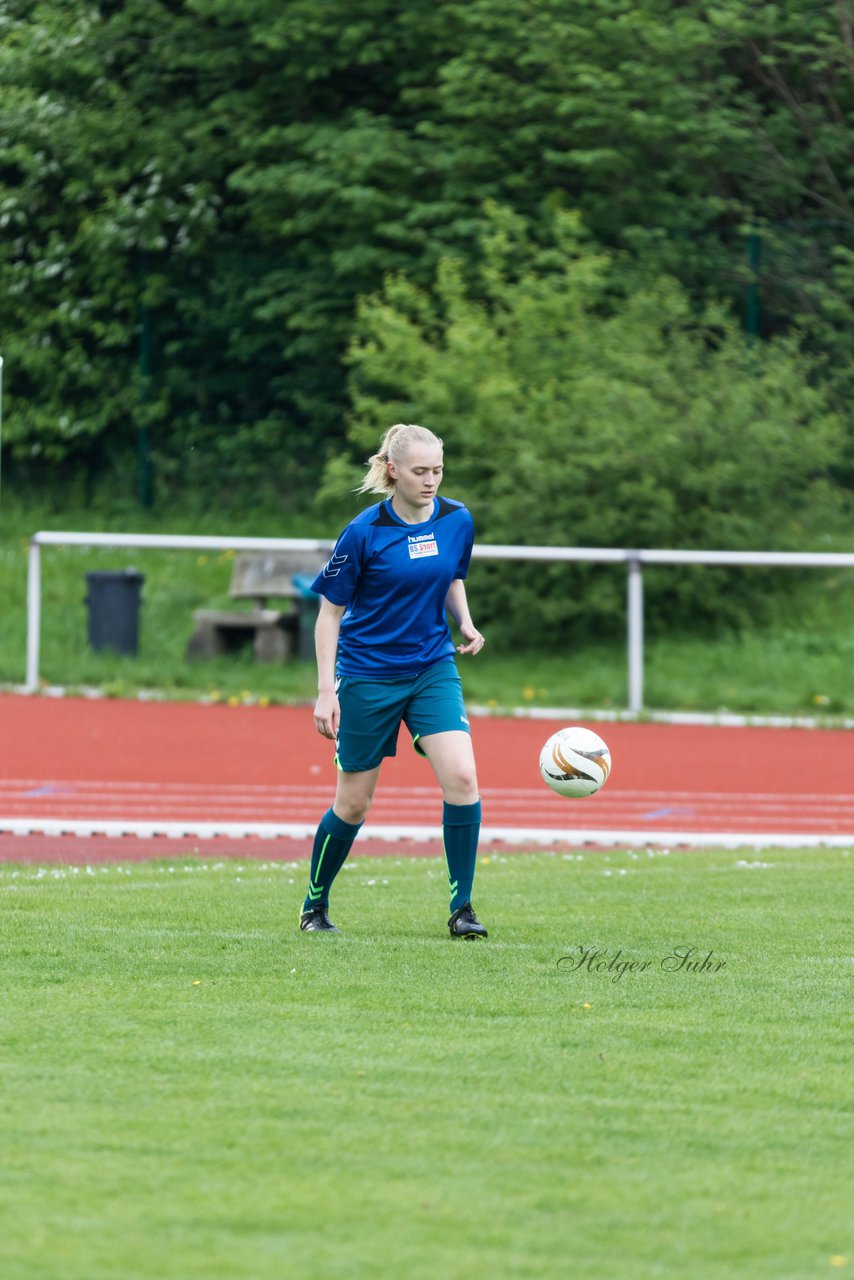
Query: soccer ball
[575, 762]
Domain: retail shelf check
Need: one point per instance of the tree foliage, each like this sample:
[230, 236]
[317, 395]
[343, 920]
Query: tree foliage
[232, 177]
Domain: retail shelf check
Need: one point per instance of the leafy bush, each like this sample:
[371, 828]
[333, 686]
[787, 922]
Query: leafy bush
[574, 414]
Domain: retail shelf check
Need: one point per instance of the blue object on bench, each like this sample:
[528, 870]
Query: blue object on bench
[302, 582]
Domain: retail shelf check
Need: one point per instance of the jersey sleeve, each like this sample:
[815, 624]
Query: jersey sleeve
[339, 577]
[465, 556]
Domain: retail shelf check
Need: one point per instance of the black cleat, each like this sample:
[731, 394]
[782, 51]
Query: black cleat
[465, 924]
[317, 921]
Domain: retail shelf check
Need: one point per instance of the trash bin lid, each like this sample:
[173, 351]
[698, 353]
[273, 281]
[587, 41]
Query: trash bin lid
[125, 575]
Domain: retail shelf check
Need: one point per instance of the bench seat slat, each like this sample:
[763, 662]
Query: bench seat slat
[256, 577]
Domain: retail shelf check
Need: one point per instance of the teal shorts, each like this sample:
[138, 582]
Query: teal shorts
[372, 712]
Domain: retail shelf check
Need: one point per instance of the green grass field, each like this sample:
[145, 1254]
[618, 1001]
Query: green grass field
[192, 1090]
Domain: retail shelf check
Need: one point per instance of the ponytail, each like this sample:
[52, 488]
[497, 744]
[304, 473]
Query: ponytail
[393, 448]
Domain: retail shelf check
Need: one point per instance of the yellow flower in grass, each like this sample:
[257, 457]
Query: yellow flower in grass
[234, 701]
[528, 693]
[820, 700]
[838, 1260]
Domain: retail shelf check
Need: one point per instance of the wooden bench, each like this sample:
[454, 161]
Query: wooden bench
[275, 634]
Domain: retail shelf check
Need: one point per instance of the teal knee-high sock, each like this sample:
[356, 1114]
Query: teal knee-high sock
[332, 843]
[461, 831]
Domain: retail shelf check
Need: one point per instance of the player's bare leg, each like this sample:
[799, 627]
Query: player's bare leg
[354, 793]
[452, 757]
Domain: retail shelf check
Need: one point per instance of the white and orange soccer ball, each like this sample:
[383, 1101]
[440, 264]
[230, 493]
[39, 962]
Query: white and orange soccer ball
[575, 762]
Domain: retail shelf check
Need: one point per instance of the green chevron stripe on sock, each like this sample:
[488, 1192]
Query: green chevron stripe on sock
[332, 843]
[452, 884]
[460, 831]
[315, 886]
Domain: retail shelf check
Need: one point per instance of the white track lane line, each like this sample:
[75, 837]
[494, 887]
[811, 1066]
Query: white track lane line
[61, 792]
[142, 808]
[536, 836]
[522, 807]
[290, 789]
[699, 802]
[163, 815]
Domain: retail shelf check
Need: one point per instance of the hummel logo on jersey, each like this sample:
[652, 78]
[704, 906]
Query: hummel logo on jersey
[422, 544]
[333, 566]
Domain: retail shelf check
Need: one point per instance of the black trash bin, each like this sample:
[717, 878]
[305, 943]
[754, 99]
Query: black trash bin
[114, 600]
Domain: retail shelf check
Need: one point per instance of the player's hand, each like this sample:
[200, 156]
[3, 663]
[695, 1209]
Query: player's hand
[474, 641]
[327, 714]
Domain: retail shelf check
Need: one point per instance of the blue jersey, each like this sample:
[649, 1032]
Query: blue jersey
[394, 577]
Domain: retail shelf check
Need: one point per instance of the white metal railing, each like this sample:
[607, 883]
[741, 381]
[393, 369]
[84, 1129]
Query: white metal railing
[634, 559]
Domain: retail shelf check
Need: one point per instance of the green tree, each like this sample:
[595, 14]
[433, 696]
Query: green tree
[248, 170]
[90, 175]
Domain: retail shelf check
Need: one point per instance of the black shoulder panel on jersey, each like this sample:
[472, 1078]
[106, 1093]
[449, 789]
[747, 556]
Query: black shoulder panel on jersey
[447, 508]
[383, 517]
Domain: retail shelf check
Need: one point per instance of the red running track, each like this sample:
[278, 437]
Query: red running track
[73, 760]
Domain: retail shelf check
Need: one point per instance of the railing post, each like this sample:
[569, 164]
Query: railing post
[635, 612]
[34, 604]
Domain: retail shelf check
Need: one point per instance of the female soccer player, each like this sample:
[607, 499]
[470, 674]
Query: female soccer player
[395, 571]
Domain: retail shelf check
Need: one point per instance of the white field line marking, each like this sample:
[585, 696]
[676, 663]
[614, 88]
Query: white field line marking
[509, 835]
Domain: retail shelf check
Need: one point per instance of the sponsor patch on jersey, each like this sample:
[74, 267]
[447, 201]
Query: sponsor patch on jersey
[422, 547]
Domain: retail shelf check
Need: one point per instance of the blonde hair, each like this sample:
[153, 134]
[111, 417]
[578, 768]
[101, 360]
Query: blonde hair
[394, 446]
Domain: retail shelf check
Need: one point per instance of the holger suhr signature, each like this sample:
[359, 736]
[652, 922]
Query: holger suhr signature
[682, 959]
